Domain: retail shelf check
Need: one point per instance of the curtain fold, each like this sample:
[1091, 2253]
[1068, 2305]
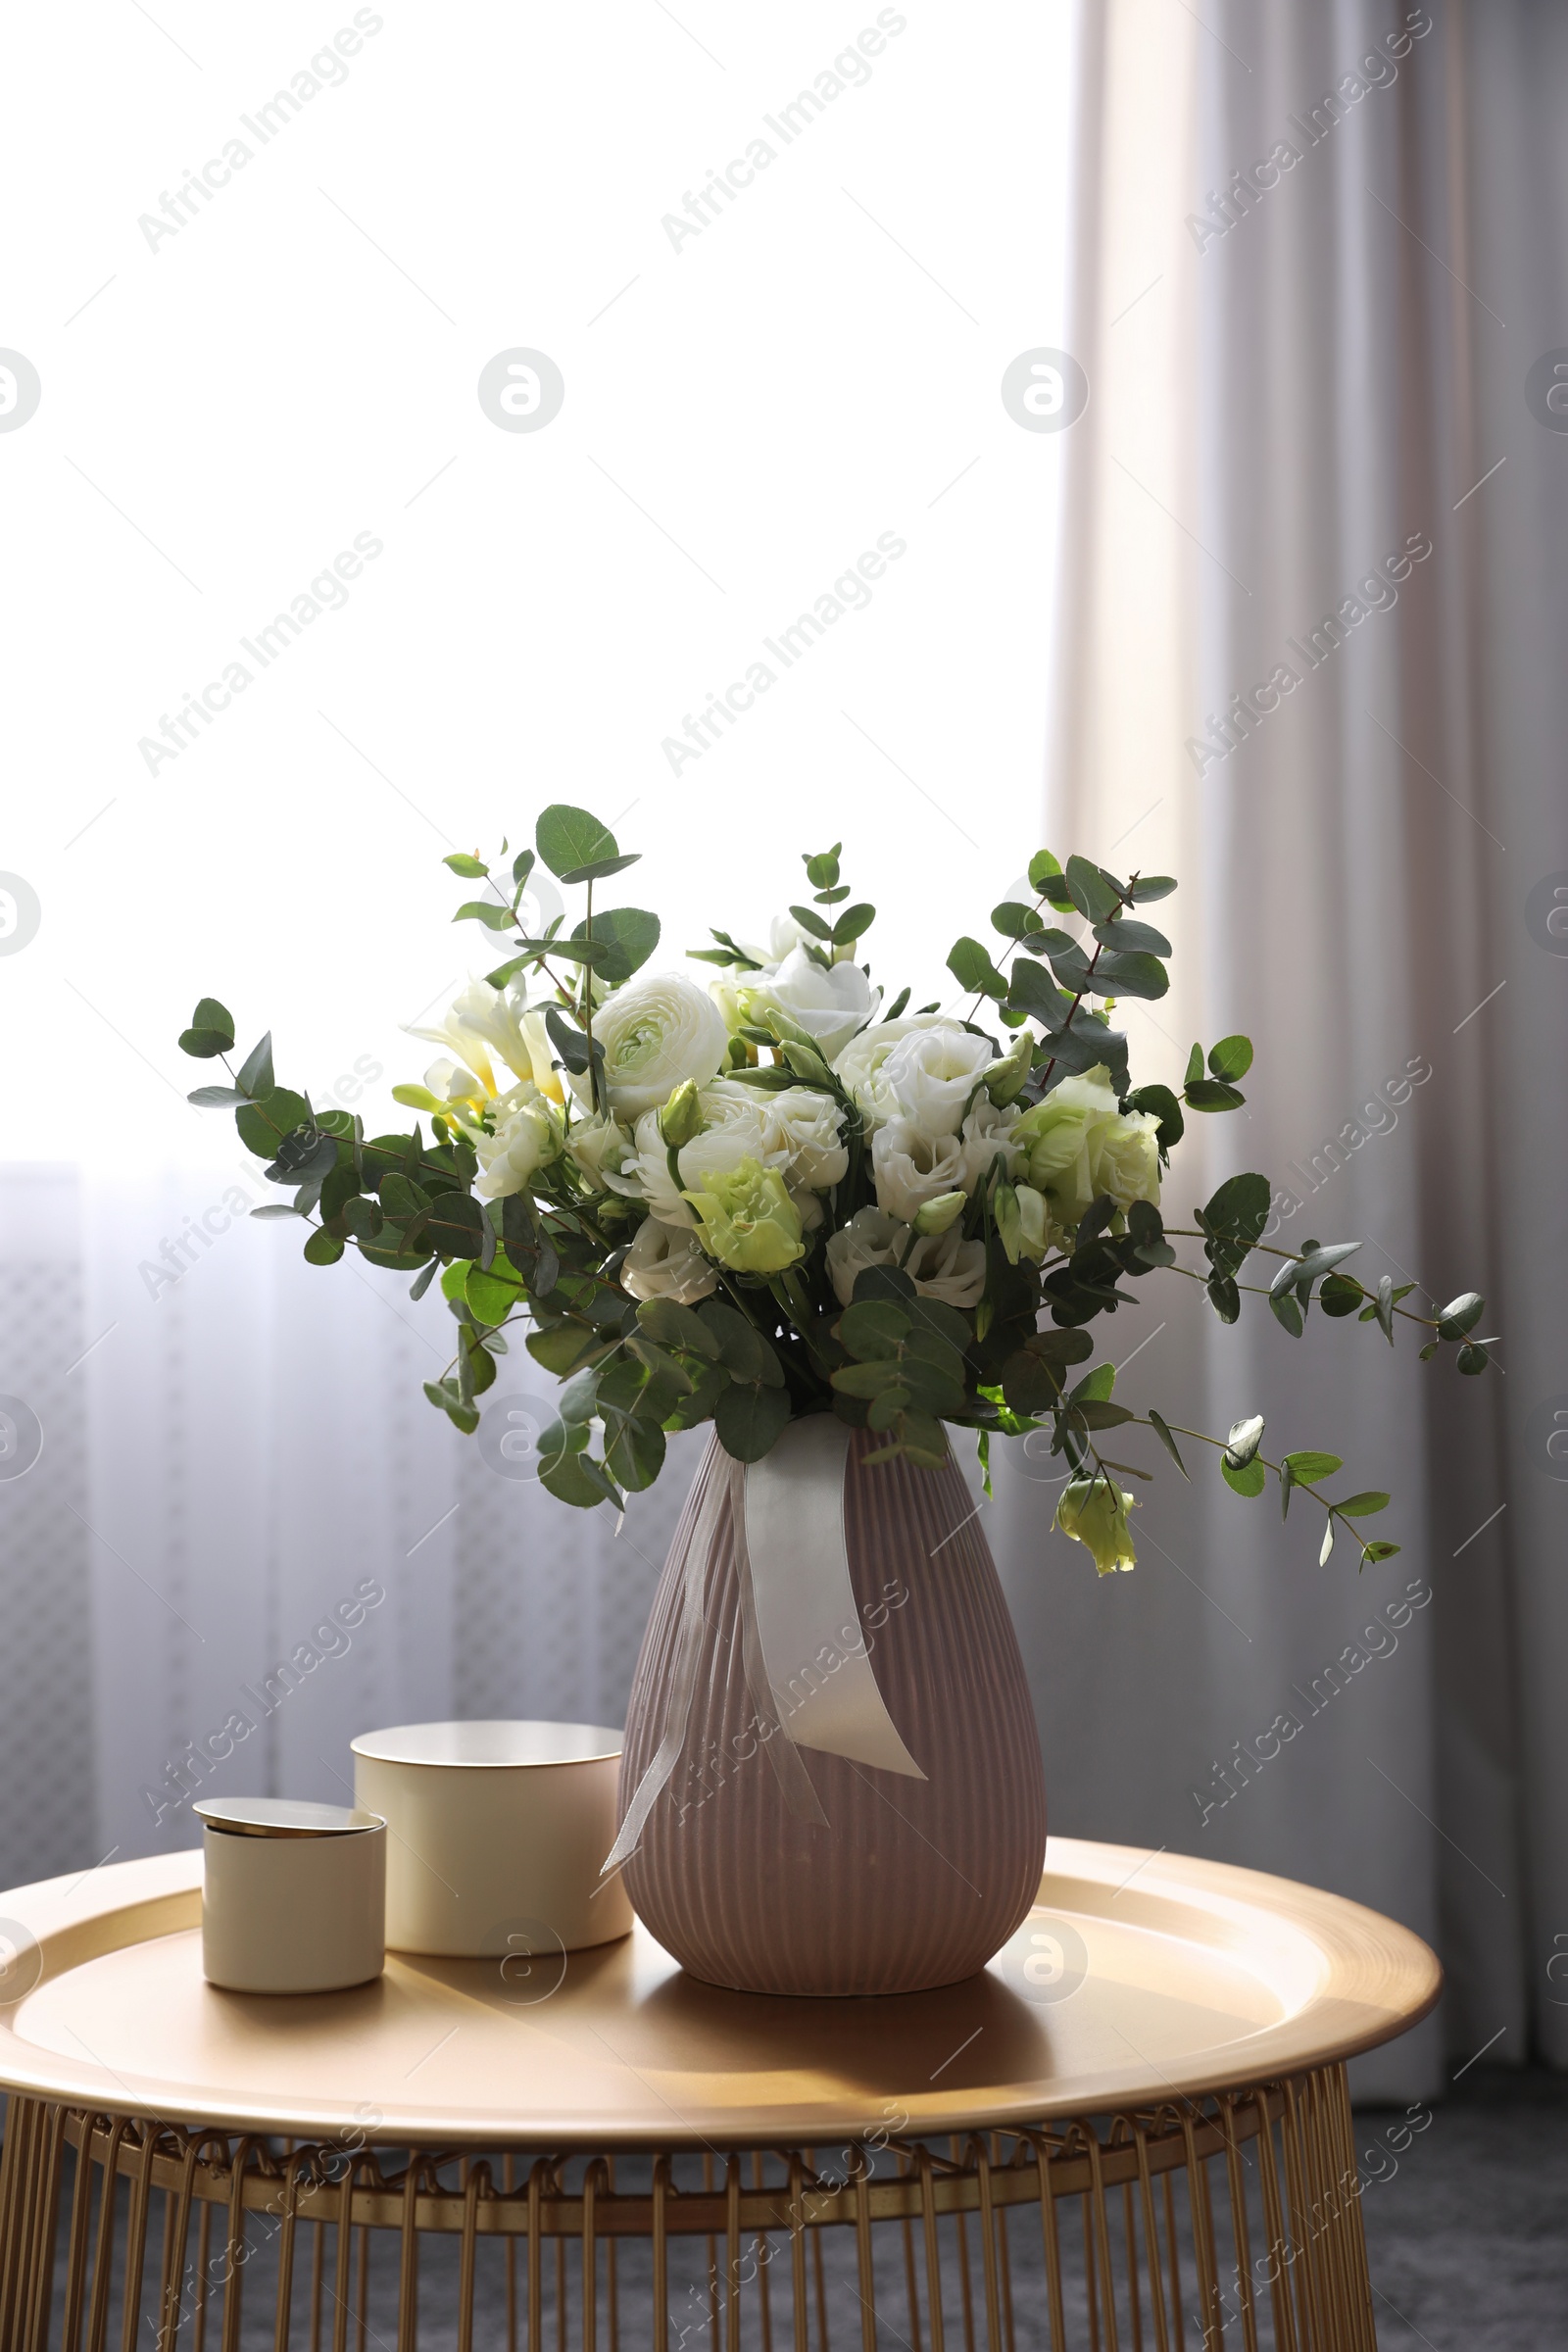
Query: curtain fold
[1338, 213]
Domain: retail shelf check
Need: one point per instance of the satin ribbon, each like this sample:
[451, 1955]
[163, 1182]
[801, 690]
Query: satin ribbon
[802, 1648]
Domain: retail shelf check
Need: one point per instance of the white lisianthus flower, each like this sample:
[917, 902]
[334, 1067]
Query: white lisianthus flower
[911, 1168]
[1077, 1144]
[733, 1129]
[527, 1135]
[829, 1002]
[665, 1263]
[941, 1265]
[808, 1126]
[809, 1206]
[656, 1032]
[987, 1138]
[861, 1066]
[1124, 1159]
[1059, 1136]
[600, 1148]
[933, 1072]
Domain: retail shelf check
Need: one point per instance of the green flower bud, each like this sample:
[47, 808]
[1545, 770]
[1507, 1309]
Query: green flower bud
[682, 1115]
[1005, 1078]
[934, 1216]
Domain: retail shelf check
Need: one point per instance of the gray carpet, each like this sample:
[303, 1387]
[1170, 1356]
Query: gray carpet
[1467, 2239]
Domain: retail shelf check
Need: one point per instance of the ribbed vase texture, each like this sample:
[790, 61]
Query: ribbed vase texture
[912, 1884]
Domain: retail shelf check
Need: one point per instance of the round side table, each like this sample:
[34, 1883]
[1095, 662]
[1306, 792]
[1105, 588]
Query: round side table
[1131, 2131]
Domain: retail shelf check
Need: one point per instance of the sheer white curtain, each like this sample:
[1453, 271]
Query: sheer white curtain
[1298, 377]
[1277, 405]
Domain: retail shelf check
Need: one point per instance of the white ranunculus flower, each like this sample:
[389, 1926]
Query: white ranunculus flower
[941, 1265]
[808, 1126]
[909, 1169]
[527, 1135]
[734, 1129]
[829, 1002]
[861, 1066]
[933, 1072]
[665, 1263]
[656, 1032]
[601, 1149]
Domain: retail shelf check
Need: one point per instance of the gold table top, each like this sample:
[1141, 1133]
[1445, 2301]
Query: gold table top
[1136, 1978]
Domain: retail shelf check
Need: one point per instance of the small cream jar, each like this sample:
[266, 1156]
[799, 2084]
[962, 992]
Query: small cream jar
[496, 1834]
[293, 1895]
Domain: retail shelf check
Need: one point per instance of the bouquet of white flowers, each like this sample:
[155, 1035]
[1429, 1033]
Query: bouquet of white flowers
[776, 1195]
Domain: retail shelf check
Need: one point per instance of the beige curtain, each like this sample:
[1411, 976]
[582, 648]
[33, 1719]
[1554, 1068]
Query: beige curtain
[1306, 410]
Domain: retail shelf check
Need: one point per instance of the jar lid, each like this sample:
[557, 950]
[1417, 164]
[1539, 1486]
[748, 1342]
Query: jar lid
[491, 1743]
[283, 1817]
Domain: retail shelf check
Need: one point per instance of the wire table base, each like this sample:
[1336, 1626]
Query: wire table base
[1229, 2219]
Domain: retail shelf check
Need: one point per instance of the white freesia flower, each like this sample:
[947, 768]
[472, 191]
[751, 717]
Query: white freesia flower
[808, 1126]
[734, 1129]
[909, 1169]
[484, 1021]
[933, 1072]
[665, 1263]
[829, 1002]
[527, 1135]
[600, 1148]
[941, 1265]
[462, 1092]
[656, 1032]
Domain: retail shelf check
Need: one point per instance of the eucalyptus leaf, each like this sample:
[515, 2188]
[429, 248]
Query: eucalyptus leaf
[1231, 1058]
[1306, 1468]
[1161, 1430]
[972, 966]
[568, 839]
[1092, 890]
[1166, 1109]
[851, 924]
[623, 939]
[256, 1070]
[1134, 938]
[750, 1420]
[1460, 1315]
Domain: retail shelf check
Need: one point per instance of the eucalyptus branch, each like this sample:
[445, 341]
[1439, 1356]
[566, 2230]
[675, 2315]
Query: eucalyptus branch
[1190, 1233]
[1124, 897]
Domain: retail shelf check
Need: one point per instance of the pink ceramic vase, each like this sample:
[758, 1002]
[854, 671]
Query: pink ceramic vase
[911, 1884]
